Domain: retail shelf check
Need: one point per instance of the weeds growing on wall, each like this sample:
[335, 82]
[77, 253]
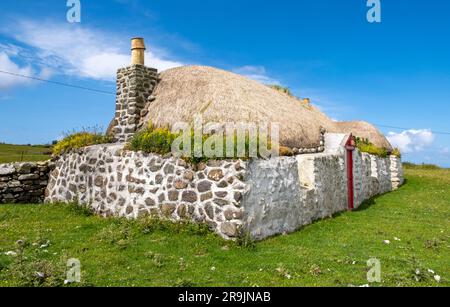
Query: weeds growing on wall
[160, 140]
[364, 145]
[86, 137]
[154, 140]
[396, 152]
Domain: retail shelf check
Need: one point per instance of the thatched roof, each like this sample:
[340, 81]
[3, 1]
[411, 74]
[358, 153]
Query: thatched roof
[364, 130]
[222, 96]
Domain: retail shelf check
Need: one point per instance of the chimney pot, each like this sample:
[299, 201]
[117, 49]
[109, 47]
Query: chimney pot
[137, 51]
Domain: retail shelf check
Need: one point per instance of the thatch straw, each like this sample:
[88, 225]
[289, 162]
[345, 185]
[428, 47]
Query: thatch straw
[364, 130]
[222, 97]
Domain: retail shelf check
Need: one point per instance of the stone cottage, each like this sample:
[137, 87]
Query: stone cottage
[261, 197]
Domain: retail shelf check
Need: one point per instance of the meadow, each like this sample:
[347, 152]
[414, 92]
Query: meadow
[24, 153]
[406, 230]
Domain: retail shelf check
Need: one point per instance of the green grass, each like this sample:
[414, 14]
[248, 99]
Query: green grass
[409, 165]
[24, 153]
[330, 252]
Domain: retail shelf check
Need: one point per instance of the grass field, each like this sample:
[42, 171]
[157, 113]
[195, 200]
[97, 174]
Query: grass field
[24, 153]
[333, 252]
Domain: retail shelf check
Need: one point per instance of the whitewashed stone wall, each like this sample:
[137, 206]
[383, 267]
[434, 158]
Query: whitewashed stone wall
[133, 184]
[287, 193]
[362, 178]
[272, 197]
[261, 197]
[396, 169]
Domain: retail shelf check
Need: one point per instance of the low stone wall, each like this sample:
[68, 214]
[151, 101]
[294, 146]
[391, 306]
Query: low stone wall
[261, 197]
[396, 170]
[287, 193]
[133, 184]
[23, 182]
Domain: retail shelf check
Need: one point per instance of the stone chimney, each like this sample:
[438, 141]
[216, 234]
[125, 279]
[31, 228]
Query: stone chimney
[135, 85]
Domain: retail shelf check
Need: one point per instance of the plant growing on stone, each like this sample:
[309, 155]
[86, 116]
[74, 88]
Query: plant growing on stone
[154, 140]
[160, 141]
[396, 152]
[74, 140]
[364, 145]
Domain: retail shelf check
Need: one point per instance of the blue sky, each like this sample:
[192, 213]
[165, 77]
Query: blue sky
[393, 73]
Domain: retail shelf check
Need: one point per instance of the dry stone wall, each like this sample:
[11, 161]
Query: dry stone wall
[23, 182]
[134, 184]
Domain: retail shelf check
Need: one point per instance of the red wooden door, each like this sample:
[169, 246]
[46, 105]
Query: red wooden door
[350, 147]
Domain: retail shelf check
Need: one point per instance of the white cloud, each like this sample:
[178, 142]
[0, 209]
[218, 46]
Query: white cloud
[8, 81]
[157, 62]
[444, 150]
[410, 141]
[76, 50]
[257, 73]
[10, 49]
[101, 65]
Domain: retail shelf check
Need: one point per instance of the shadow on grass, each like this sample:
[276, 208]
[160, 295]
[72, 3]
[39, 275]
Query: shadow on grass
[367, 204]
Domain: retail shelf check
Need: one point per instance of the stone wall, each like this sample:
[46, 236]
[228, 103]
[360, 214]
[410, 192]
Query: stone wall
[23, 182]
[135, 85]
[133, 184]
[286, 193]
[261, 197]
[396, 170]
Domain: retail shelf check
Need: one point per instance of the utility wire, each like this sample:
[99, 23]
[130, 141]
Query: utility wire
[57, 83]
[110, 93]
